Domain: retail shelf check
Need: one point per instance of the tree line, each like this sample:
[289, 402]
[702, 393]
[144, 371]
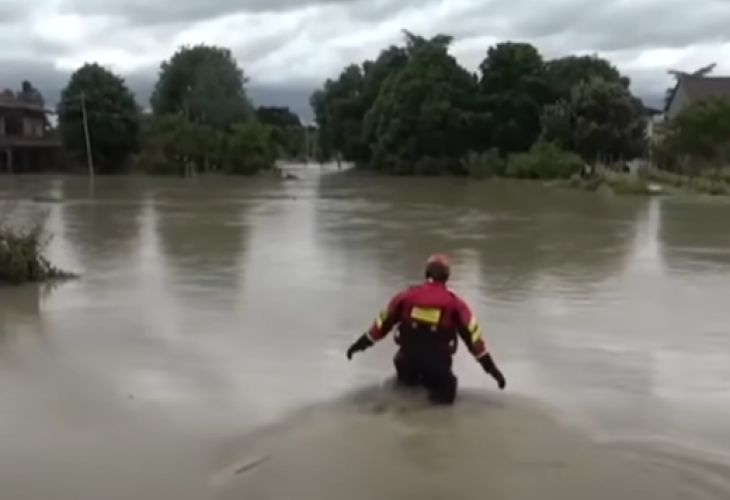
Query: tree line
[415, 110]
[412, 110]
[199, 120]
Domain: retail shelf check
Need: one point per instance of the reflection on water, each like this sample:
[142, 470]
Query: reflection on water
[694, 241]
[220, 304]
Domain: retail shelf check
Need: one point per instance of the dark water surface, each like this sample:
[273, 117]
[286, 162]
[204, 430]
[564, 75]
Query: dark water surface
[210, 307]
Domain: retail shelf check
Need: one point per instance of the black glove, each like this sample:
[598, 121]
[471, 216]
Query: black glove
[362, 343]
[491, 368]
[501, 382]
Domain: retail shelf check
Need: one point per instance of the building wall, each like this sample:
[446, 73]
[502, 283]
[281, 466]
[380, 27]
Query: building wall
[655, 126]
[29, 126]
[32, 127]
[678, 102]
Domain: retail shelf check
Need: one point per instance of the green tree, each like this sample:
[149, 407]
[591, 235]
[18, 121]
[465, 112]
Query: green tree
[277, 117]
[112, 113]
[171, 145]
[701, 132]
[248, 149]
[202, 120]
[175, 145]
[601, 121]
[415, 110]
[564, 73]
[422, 121]
[513, 89]
[205, 84]
[287, 132]
[339, 112]
[340, 105]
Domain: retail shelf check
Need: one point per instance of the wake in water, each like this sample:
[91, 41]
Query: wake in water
[383, 443]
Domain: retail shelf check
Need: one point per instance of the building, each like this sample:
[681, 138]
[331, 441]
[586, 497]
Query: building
[27, 143]
[653, 119]
[690, 88]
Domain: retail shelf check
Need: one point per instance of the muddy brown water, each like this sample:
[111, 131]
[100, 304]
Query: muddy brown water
[201, 354]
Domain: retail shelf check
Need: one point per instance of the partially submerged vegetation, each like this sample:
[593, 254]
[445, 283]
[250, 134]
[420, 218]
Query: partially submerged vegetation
[653, 182]
[200, 120]
[22, 248]
[414, 110]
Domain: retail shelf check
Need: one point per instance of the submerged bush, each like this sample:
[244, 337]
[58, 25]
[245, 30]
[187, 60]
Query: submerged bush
[544, 161]
[21, 251]
[484, 165]
[711, 183]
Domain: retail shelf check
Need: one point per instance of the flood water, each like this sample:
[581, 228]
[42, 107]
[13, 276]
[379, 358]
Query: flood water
[209, 308]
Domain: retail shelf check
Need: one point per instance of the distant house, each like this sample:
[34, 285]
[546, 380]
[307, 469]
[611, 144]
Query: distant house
[653, 118]
[690, 88]
[27, 142]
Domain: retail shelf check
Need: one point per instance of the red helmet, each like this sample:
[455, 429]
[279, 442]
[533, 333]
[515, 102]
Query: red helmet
[438, 267]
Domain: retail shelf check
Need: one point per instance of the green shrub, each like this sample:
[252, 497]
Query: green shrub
[544, 161]
[708, 183]
[21, 251]
[484, 165]
[624, 183]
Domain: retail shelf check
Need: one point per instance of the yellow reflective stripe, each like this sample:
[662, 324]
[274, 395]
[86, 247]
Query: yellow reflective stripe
[473, 325]
[476, 332]
[431, 315]
[380, 318]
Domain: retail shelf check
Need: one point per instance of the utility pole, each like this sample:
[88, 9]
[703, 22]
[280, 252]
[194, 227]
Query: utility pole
[89, 156]
[307, 146]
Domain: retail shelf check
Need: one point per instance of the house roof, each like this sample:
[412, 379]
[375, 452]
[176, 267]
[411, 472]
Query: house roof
[705, 87]
[11, 100]
[697, 87]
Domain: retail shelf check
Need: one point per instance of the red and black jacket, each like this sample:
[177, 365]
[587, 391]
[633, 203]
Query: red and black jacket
[429, 317]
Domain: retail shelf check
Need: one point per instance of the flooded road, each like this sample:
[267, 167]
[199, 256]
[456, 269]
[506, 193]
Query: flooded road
[210, 308]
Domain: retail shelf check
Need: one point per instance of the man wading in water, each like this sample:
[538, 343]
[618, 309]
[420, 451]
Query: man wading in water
[430, 318]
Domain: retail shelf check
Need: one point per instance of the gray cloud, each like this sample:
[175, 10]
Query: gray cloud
[586, 24]
[11, 11]
[303, 44]
[145, 13]
[150, 13]
[50, 82]
[611, 26]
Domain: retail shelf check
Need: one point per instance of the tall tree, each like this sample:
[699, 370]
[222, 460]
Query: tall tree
[112, 113]
[513, 90]
[601, 121]
[204, 83]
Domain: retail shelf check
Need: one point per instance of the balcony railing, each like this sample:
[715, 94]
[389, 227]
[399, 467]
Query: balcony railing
[14, 141]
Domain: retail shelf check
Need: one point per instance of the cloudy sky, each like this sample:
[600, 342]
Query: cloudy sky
[288, 47]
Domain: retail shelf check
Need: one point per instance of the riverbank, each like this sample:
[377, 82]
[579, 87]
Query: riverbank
[653, 182]
[385, 445]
